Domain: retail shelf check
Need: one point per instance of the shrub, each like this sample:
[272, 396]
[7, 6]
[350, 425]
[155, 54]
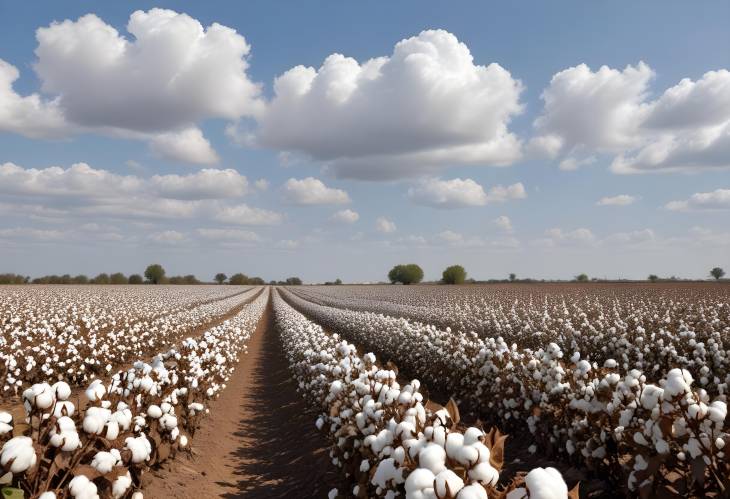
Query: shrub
[135, 279]
[118, 278]
[454, 274]
[101, 279]
[406, 274]
[238, 279]
[154, 273]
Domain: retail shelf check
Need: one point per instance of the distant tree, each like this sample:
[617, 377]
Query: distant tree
[717, 273]
[13, 279]
[406, 274]
[155, 273]
[175, 279]
[220, 278]
[294, 281]
[256, 281]
[513, 277]
[338, 281]
[102, 278]
[118, 278]
[581, 278]
[80, 279]
[135, 279]
[454, 274]
[653, 278]
[238, 279]
[190, 279]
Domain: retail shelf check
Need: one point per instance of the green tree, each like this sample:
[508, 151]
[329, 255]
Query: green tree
[190, 279]
[118, 278]
[256, 281]
[717, 273]
[135, 279]
[581, 278]
[406, 274]
[220, 277]
[338, 281]
[294, 281]
[102, 278]
[454, 274]
[513, 277]
[653, 278]
[155, 273]
[238, 279]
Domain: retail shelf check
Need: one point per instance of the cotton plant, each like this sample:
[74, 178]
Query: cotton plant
[386, 440]
[592, 412]
[99, 442]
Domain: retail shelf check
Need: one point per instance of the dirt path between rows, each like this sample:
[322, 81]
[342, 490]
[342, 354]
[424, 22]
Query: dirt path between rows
[259, 441]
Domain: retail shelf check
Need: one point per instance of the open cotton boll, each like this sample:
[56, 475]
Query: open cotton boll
[95, 391]
[137, 495]
[448, 480]
[83, 488]
[433, 458]
[20, 450]
[546, 483]
[387, 471]
[168, 422]
[62, 390]
[419, 484]
[95, 420]
[473, 491]
[104, 461]
[6, 422]
[140, 448]
[484, 473]
[47, 495]
[64, 408]
[121, 485]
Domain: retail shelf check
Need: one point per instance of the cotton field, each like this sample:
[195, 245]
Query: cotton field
[412, 391]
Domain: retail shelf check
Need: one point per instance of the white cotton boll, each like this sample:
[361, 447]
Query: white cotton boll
[95, 420]
[448, 478]
[83, 488]
[104, 461]
[546, 483]
[64, 408]
[168, 422]
[112, 430]
[454, 442]
[62, 390]
[332, 494]
[137, 495]
[6, 422]
[21, 451]
[473, 491]
[140, 448]
[47, 495]
[419, 483]
[433, 457]
[154, 411]
[121, 485]
[472, 435]
[717, 411]
[518, 493]
[95, 391]
[484, 473]
[386, 472]
[183, 441]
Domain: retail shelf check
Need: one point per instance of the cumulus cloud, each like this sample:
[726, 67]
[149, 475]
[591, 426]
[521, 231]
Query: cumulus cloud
[86, 191]
[188, 145]
[425, 106]
[311, 191]
[458, 193]
[619, 200]
[156, 84]
[243, 214]
[346, 216]
[384, 225]
[504, 223]
[557, 236]
[687, 128]
[718, 199]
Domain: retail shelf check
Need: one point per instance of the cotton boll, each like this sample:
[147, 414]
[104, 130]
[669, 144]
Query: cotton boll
[140, 448]
[47, 495]
[433, 458]
[473, 491]
[386, 472]
[21, 451]
[448, 479]
[83, 488]
[546, 483]
[95, 391]
[121, 485]
[103, 461]
[472, 435]
[137, 495]
[154, 411]
[62, 390]
[454, 442]
[419, 483]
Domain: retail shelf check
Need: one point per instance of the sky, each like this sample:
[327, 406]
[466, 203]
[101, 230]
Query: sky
[337, 139]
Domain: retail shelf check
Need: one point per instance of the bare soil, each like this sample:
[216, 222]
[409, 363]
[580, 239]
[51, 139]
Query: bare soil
[259, 440]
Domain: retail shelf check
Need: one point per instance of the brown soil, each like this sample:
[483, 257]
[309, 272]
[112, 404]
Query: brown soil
[259, 440]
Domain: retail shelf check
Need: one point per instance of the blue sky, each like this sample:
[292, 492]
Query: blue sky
[666, 214]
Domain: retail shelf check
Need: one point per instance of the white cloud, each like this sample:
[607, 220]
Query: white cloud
[571, 164]
[346, 216]
[687, 128]
[311, 191]
[167, 237]
[718, 199]
[288, 244]
[424, 107]
[155, 85]
[458, 193]
[619, 200]
[186, 145]
[231, 235]
[631, 238]
[504, 223]
[576, 237]
[32, 234]
[205, 184]
[384, 225]
[246, 215]
[262, 184]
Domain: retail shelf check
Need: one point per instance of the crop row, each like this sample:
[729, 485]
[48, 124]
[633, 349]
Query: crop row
[385, 439]
[664, 438]
[100, 446]
[654, 329]
[78, 340]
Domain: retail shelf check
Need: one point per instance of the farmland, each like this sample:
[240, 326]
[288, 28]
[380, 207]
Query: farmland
[398, 390]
